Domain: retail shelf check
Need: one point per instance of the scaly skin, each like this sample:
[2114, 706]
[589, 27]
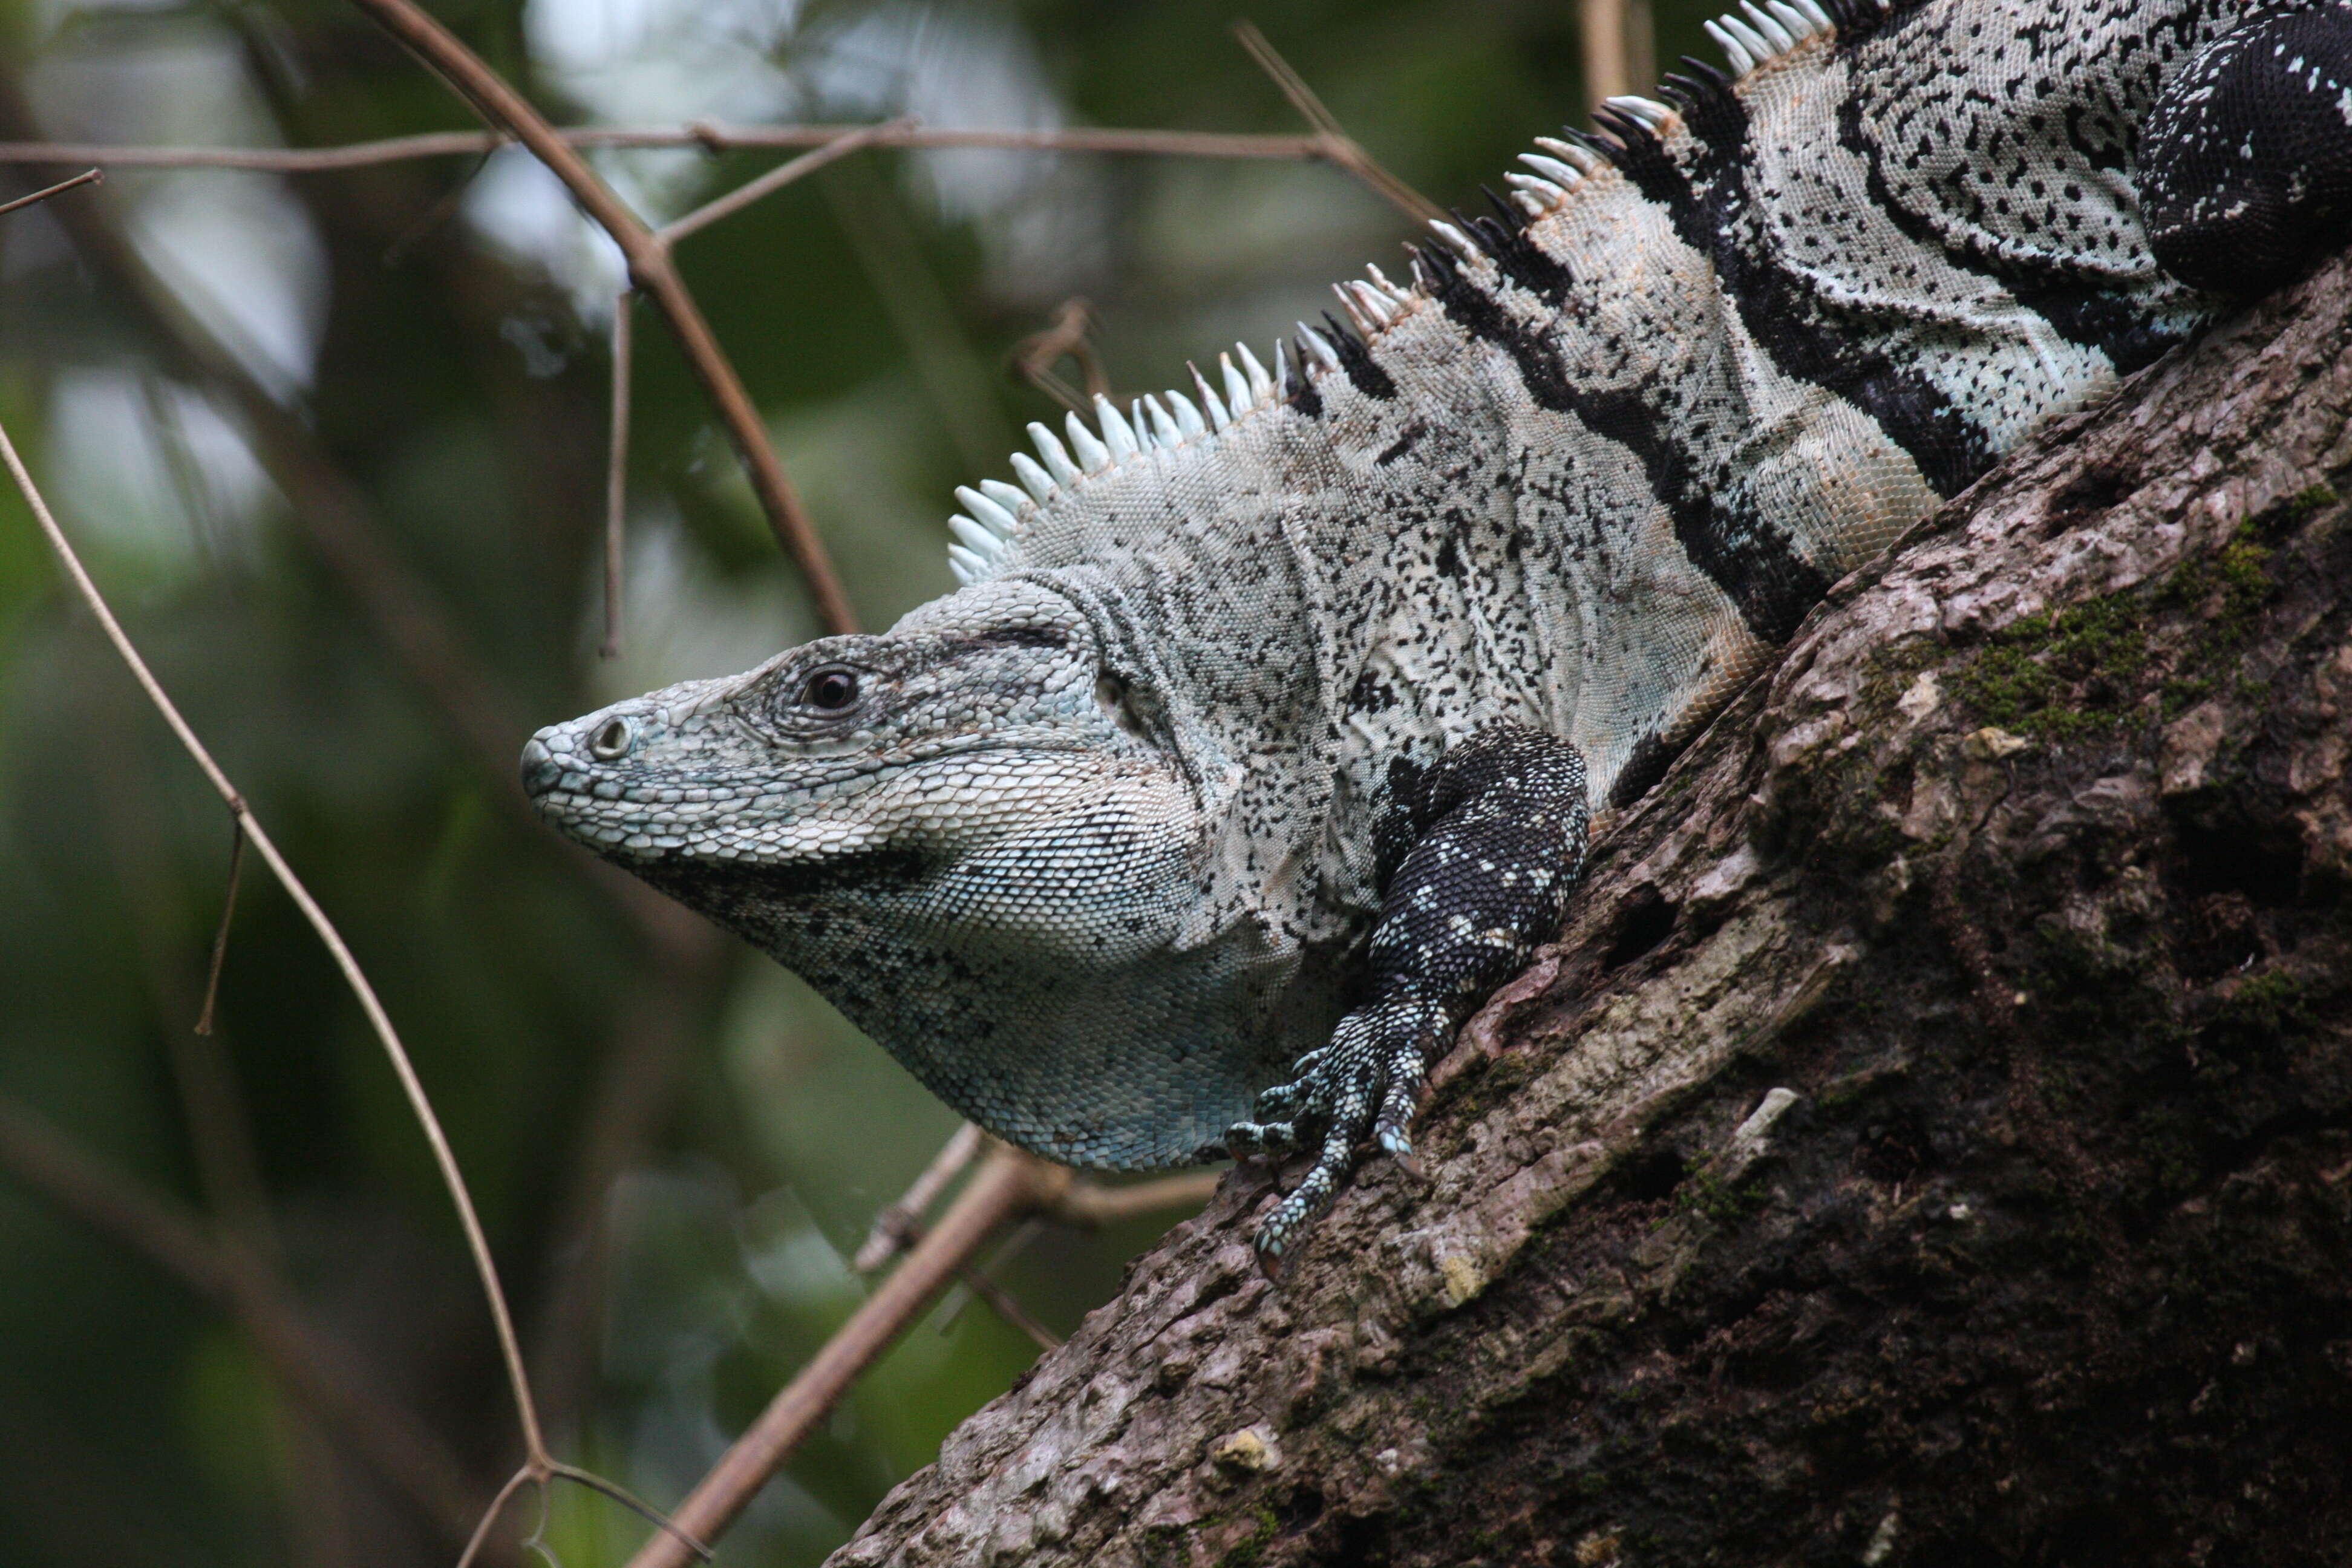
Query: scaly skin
[1263, 740]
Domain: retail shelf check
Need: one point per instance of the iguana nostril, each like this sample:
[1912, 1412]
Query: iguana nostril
[612, 742]
[540, 768]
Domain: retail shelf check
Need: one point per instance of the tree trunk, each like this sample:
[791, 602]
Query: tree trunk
[1932, 1143]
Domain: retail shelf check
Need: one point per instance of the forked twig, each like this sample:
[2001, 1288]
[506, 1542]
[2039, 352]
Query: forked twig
[897, 1226]
[1339, 146]
[1034, 358]
[653, 271]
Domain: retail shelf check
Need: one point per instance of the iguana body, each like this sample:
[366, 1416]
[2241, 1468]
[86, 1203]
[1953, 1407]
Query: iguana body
[1263, 741]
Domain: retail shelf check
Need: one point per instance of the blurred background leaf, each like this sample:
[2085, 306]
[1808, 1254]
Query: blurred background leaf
[228, 378]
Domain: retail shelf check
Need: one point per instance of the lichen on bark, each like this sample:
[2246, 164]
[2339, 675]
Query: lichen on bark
[1930, 1143]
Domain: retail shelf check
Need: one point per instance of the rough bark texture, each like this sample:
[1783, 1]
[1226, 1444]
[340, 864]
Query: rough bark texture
[2024, 876]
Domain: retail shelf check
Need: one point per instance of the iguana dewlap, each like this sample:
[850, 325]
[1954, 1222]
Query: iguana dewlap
[1262, 742]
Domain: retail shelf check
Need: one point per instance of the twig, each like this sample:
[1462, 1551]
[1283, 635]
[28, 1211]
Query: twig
[220, 936]
[1005, 1305]
[1035, 356]
[652, 269]
[391, 1441]
[1338, 146]
[900, 1227]
[897, 1226]
[713, 137]
[1091, 1204]
[1007, 1185]
[616, 474]
[88, 177]
[774, 180]
[380, 1022]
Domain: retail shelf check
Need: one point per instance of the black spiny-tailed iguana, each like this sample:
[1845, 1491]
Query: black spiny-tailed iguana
[1262, 742]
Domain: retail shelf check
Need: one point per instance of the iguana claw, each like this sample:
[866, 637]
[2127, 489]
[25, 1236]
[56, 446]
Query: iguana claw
[1366, 1083]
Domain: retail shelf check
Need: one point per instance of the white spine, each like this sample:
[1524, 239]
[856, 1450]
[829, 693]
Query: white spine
[1795, 23]
[1318, 347]
[1261, 386]
[1569, 152]
[1035, 479]
[1402, 297]
[1749, 38]
[1188, 423]
[1163, 423]
[1092, 454]
[1551, 169]
[1741, 61]
[1218, 417]
[1455, 240]
[1013, 502]
[976, 539]
[1772, 31]
[1058, 461]
[1119, 435]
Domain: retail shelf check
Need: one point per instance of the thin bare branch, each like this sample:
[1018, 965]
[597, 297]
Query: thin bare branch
[1005, 1305]
[386, 1438]
[1008, 1185]
[634, 1504]
[896, 1227]
[88, 177]
[1339, 147]
[526, 1476]
[653, 271]
[775, 180]
[1034, 358]
[1090, 1203]
[378, 1019]
[616, 473]
[220, 935]
[714, 138]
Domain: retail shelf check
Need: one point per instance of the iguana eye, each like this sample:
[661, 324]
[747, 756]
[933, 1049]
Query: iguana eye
[831, 691]
[612, 741]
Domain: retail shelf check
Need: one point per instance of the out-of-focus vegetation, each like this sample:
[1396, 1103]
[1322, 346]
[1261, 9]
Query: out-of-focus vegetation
[209, 368]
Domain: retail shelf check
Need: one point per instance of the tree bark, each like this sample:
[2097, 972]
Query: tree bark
[1930, 1143]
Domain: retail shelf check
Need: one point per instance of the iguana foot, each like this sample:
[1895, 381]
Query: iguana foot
[1368, 1080]
[1476, 863]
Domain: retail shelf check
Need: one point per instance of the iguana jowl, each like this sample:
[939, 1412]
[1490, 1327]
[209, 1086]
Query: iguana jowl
[1262, 742]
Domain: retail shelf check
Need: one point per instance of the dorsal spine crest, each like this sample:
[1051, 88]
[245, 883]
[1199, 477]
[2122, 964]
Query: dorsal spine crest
[1483, 253]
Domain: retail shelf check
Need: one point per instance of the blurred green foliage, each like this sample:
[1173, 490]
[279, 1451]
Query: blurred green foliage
[432, 337]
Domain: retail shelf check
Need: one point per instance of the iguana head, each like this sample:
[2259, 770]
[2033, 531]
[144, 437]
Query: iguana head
[962, 832]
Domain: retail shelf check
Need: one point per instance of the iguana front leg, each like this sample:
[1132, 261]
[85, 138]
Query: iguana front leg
[1479, 855]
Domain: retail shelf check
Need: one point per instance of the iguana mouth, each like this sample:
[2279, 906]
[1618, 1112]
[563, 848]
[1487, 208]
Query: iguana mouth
[563, 788]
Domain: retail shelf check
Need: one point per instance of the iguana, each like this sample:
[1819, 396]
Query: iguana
[1265, 739]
